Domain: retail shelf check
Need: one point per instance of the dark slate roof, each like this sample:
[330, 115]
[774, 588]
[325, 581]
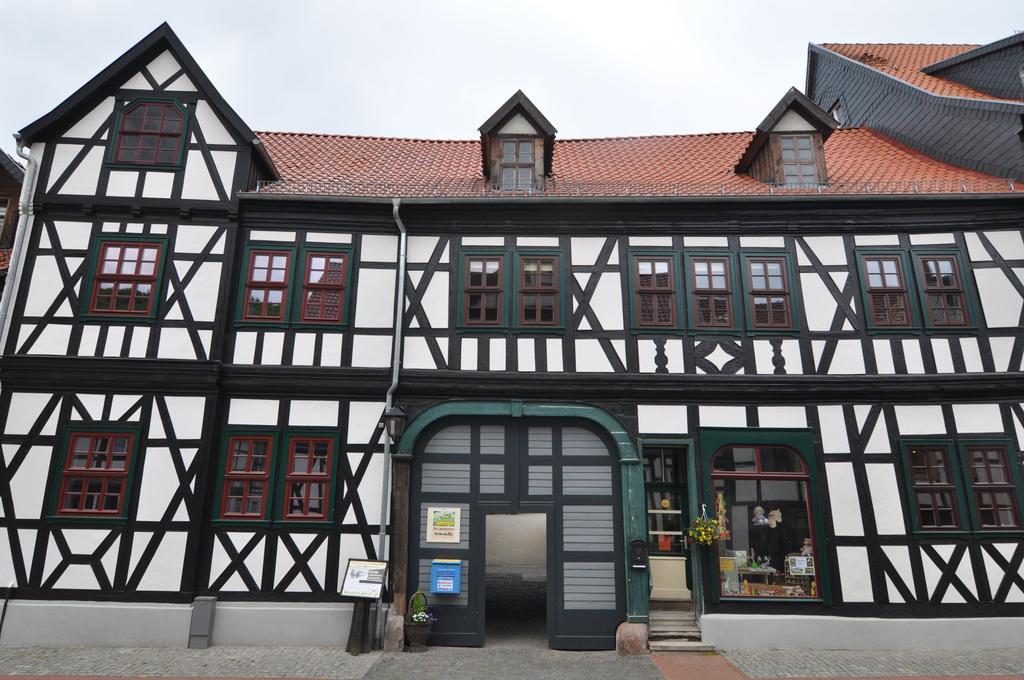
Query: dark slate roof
[12, 167]
[908, 62]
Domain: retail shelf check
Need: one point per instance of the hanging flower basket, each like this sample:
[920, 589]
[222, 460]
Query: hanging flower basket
[705, 531]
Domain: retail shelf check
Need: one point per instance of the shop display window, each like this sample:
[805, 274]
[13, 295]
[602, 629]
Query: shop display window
[761, 501]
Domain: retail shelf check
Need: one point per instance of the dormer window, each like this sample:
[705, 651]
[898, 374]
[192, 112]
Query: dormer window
[150, 133]
[517, 164]
[799, 165]
[788, 147]
[517, 145]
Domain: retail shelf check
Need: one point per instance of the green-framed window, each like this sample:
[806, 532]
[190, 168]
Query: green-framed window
[95, 473]
[522, 289]
[943, 288]
[656, 290]
[284, 285]
[149, 133]
[269, 476]
[764, 486]
[926, 288]
[965, 486]
[886, 282]
[124, 278]
[770, 298]
[713, 291]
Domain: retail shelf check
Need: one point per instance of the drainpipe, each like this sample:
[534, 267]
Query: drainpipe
[24, 224]
[396, 361]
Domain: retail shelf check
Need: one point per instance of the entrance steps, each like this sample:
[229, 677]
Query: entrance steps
[675, 631]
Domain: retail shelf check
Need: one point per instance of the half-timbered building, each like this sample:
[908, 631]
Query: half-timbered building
[808, 333]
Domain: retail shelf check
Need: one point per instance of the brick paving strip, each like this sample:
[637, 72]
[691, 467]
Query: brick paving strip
[512, 663]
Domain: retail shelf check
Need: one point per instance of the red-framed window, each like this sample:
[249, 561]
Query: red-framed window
[943, 290]
[761, 499]
[769, 293]
[934, 488]
[308, 478]
[247, 477]
[95, 478]
[266, 288]
[323, 287]
[655, 292]
[484, 293]
[538, 295]
[995, 497]
[712, 293]
[126, 278]
[887, 290]
[150, 133]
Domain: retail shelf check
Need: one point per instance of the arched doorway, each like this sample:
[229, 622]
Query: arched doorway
[573, 465]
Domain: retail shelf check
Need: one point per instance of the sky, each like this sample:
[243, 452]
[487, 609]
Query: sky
[439, 68]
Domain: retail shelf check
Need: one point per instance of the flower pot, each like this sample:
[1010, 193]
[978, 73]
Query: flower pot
[417, 634]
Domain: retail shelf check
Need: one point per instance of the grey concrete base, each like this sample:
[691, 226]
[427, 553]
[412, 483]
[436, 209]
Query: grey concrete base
[740, 631]
[96, 624]
[394, 633]
[631, 639]
[281, 624]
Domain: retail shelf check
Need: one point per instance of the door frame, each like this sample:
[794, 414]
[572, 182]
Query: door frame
[634, 520]
[691, 490]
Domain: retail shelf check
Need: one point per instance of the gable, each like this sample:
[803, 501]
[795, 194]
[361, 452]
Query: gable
[792, 121]
[213, 151]
[517, 125]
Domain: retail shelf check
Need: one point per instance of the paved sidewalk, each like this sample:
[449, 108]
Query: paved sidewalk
[215, 662]
[776, 663]
[500, 662]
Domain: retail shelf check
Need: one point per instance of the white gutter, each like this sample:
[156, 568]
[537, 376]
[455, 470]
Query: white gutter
[24, 225]
[396, 362]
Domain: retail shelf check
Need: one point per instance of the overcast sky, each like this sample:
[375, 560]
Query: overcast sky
[438, 69]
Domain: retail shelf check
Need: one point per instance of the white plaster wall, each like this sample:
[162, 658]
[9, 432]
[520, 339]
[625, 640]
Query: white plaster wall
[253, 411]
[846, 507]
[661, 418]
[375, 299]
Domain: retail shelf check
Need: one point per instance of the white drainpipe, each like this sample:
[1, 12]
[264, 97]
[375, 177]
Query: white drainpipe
[24, 225]
[396, 362]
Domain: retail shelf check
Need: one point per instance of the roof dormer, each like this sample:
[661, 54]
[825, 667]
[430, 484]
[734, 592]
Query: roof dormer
[517, 143]
[788, 147]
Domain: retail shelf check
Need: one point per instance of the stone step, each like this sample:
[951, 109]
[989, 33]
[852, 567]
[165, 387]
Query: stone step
[674, 630]
[695, 635]
[657, 616]
[673, 620]
[680, 646]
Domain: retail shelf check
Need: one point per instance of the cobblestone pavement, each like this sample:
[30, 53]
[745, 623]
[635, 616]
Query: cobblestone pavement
[237, 662]
[778, 663]
[512, 663]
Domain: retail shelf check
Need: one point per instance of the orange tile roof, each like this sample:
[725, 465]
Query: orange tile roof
[906, 61]
[858, 161]
[5, 257]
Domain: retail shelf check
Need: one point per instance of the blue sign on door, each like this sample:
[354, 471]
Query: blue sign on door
[446, 577]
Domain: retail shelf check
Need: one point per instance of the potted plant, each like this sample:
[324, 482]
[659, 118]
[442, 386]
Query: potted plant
[418, 622]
